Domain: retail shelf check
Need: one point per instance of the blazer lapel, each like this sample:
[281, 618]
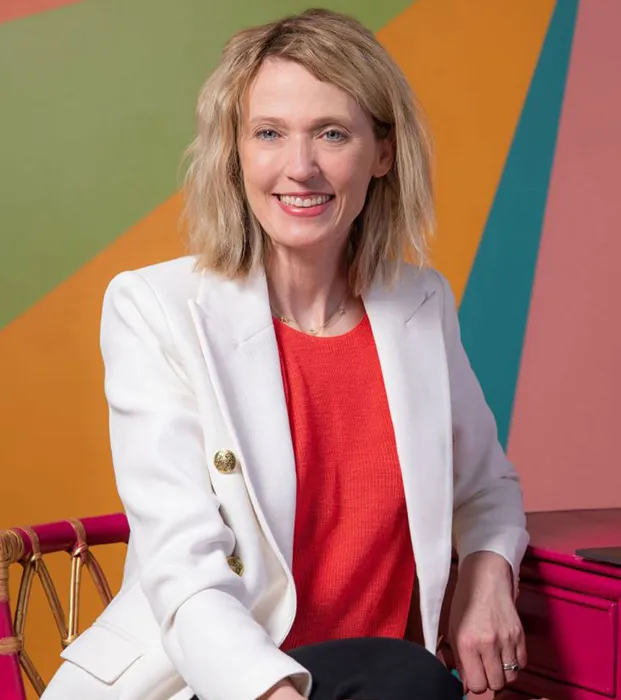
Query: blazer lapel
[234, 324]
[407, 327]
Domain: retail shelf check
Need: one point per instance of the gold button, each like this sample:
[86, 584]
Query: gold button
[224, 461]
[235, 564]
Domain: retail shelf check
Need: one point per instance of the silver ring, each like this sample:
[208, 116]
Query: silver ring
[512, 666]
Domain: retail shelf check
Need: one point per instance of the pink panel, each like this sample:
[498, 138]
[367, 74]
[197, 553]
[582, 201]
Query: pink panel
[567, 418]
[14, 9]
[571, 636]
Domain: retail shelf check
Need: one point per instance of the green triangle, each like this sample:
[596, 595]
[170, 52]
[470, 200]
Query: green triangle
[97, 107]
[494, 309]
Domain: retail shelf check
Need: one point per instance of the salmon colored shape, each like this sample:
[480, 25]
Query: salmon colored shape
[565, 428]
[54, 416]
[471, 64]
[14, 9]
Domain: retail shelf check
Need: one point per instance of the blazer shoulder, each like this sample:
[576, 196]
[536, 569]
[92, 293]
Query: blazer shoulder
[412, 278]
[150, 302]
[172, 282]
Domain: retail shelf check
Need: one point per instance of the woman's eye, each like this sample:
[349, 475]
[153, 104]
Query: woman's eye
[266, 134]
[334, 135]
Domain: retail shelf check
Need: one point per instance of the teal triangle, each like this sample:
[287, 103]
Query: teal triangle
[494, 309]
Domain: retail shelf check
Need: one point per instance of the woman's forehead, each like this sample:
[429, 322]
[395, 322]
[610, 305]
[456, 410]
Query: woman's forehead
[284, 90]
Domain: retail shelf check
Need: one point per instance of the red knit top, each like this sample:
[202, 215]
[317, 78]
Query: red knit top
[353, 563]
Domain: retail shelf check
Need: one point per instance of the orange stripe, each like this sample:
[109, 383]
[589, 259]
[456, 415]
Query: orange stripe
[14, 9]
[53, 410]
[53, 413]
[471, 65]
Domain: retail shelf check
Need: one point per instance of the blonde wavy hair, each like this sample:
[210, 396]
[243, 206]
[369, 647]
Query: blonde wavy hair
[397, 216]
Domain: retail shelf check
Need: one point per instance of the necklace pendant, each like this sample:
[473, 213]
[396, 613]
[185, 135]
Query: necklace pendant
[285, 319]
[313, 331]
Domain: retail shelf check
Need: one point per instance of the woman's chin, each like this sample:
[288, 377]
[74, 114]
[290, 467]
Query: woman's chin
[304, 242]
[303, 234]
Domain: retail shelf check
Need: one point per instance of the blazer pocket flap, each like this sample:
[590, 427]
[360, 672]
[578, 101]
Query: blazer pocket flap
[103, 653]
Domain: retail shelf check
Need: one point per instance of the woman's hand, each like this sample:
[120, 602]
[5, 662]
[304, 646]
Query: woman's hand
[485, 631]
[285, 690]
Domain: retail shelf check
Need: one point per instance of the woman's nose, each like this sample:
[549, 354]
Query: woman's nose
[301, 164]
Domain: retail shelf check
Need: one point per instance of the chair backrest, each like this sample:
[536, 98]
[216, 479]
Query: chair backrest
[27, 547]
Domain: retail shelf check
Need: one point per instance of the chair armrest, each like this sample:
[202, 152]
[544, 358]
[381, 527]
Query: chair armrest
[27, 546]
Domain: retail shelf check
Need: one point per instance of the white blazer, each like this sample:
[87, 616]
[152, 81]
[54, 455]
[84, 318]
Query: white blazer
[192, 368]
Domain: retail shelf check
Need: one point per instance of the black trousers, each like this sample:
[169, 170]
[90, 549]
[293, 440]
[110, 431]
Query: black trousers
[376, 669]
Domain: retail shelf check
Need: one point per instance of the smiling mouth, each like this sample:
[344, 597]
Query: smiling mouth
[305, 202]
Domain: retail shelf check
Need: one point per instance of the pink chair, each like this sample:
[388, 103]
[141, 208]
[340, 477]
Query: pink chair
[27, 546]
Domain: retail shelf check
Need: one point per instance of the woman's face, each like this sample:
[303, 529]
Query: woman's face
[308, 153]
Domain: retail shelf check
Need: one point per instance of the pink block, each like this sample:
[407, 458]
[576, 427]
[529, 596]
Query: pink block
[564, 436]
[16, 9]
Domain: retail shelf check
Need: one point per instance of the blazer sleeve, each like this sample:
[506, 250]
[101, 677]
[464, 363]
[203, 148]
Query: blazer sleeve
[180, 538]
[488, 506]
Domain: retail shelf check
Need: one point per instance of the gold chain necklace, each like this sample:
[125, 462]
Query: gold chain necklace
[290, 321]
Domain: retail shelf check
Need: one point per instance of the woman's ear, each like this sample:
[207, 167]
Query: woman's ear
[385, 156]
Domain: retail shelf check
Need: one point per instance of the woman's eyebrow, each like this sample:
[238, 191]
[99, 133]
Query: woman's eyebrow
[315, 124]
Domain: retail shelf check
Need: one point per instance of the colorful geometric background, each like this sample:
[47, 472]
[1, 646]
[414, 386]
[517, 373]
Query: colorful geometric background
[524, 101]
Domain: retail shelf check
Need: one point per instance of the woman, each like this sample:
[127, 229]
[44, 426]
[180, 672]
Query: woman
[295, 427]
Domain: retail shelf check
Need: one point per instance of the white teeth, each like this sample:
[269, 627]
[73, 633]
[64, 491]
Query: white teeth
[303, 203]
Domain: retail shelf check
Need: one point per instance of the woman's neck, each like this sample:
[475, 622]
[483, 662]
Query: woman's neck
[309, 290]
